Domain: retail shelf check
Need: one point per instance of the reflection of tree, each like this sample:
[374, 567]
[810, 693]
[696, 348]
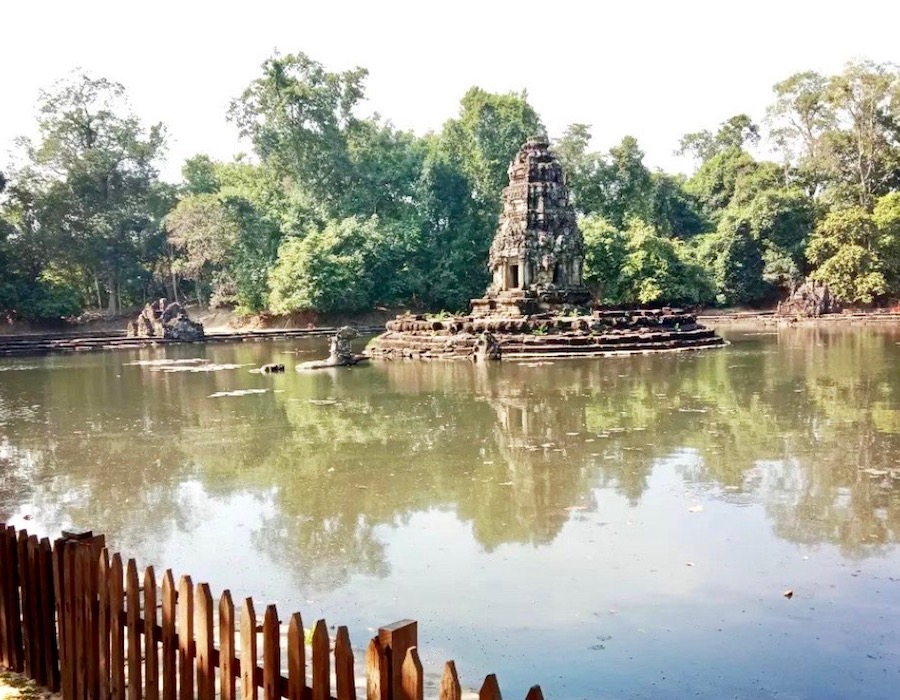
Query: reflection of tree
[806, 422]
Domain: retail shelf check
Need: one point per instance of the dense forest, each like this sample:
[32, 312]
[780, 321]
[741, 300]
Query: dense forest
[334, 211]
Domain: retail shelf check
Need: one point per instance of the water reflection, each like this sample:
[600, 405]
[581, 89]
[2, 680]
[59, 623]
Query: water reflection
[805, 422]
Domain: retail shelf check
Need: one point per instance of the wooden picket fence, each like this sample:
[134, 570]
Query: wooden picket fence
[78, 621]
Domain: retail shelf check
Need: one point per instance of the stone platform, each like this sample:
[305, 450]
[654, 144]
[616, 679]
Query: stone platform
[543, 336]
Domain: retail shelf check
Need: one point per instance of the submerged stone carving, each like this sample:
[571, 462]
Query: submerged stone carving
[340, 351]
[810, 300]
[166, 321]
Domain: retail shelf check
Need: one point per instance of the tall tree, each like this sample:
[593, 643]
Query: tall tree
[297, 115]
[734, 133]
[486, 135]
[842, 133]
[95, 186]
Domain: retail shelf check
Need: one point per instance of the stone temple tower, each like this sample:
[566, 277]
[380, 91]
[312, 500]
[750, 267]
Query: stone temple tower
[537, 254]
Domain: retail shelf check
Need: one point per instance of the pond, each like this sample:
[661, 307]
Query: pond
[620, 527]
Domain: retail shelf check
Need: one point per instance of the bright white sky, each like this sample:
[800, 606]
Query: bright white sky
[655, 70]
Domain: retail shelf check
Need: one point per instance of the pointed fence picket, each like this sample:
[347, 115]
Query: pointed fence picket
[78, 622]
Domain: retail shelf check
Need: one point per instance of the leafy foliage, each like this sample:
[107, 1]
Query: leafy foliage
[335, 210]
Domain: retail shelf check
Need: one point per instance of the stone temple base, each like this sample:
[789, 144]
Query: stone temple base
[543, 336]
[518, 303]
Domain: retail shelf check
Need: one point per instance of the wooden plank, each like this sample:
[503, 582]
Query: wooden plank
[535, 693]
[321, 664]
[169, 640]
[271, 654]
[343, 665]
[48, 615]
[203, 632]
[33, 583]
[185, 638]
[69, 596]
[96, 546]
[226, 647]
[80, 636]
[17, 641]
[248, 651]
[4, 624]
[103, 625]
[412, 679]
[450, 688]
[89, 561]
[28, 634]
[59, 546]
[151, 636]
[135, 653]
[377, 671]
[490, 689]
[397, 638]
[30, 607]
[117, 631]
[296, 659]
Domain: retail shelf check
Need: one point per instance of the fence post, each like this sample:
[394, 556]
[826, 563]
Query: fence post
[397, 639]
[68, 605]
[15, 650]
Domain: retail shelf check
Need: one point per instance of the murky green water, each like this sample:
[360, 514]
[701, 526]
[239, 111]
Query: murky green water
[608, 528]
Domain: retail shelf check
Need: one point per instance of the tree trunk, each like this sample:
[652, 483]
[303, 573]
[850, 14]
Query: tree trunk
[111, 306]
[97, 289]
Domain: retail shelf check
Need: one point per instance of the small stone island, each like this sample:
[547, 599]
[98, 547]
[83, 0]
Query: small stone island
[537, 305]
[166, 322]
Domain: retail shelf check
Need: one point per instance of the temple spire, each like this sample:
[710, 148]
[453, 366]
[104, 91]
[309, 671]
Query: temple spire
[538, 251]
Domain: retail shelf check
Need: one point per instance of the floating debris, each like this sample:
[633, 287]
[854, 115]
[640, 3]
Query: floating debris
[211, 367]
[237, 392]
[696, 509]
[167, 362]
[789, 593]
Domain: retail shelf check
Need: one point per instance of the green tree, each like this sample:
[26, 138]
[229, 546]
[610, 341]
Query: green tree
[93, 193]
[842, 133]
[297, 115]
[733, 133]
[659, 269]
[203, 232]
[850, 255]
[605, 253]
[454, 243]
[735, 261]
[486, 136]
[346, 265]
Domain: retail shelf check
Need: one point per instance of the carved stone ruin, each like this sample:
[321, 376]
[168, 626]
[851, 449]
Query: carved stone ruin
[165, 321]
[537, 305]
[537, 255]
[810, 300]
[486, 347]
[340, 351]
[340, 346]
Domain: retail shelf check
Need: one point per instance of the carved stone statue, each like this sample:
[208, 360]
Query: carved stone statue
[340, 351]
[487, 347]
